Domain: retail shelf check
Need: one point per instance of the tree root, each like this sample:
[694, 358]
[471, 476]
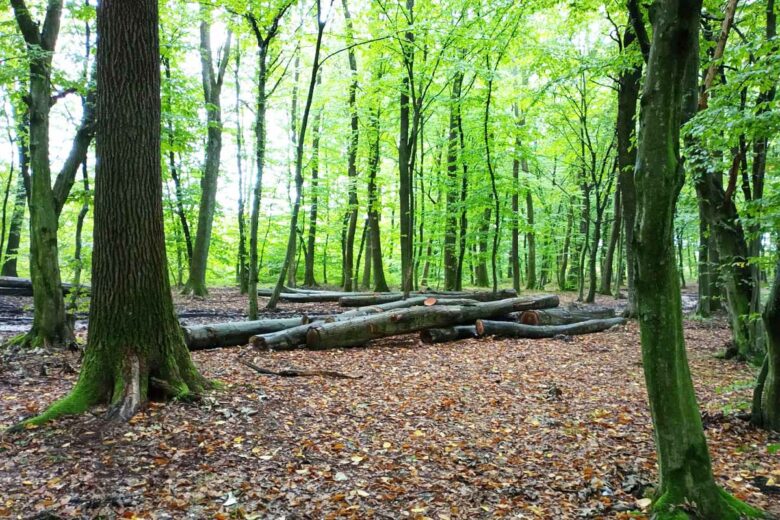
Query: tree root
[669, 507]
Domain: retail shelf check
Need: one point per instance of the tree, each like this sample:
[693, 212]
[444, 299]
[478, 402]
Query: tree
[212, 90]
[687, 486]
[136, 349]
[50, 326]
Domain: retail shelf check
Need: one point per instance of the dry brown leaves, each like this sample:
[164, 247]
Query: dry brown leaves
[474, 429]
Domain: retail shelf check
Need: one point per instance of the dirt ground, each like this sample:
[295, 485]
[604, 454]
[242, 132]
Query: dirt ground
[480, 428]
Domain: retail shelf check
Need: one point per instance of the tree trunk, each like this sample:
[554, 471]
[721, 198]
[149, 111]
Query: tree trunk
[135, 344]
[50, 326]
[218, 335]
[374, 238]
[360, 330]
[243, 267]
[212, 88]
[443, 335]
[299, 165]
[508, 329]
[684, 464]
[17, 219]
[614, 238]
[769, 407]
[515, 254]
[452, 208]
[560, 316]
[564, 258]
[530, 238]
[311, 238]
[352, 149]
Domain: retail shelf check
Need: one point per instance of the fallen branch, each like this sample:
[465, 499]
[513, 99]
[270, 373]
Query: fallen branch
[508, 329]
[291, 372]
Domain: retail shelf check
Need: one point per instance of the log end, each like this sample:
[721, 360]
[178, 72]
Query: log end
[426, 336]
[529, 318]
[430, 301]
[480, 327]
[313, 338]
[258, 342]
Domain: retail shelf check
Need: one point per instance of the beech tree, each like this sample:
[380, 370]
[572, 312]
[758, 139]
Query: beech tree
[687, 487]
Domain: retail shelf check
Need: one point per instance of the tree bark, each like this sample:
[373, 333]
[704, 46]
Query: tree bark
[243, 266]
[508, 329]
[684, 464]
[50, 326]
[530, 238]
[134, 336]
[443, 335]
[452, 208]
[374, 238]
[614, 238]
[308, 276]
[770, 392]
[560, 316]
[218, 335]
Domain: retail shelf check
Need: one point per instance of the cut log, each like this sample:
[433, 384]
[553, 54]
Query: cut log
[507, 329]
[287, 339]
[311, 297]
[381, 298]
[217, 335]
[13, 286]
[360, 330]
[443, 335]
[414, 301]
[560, 316]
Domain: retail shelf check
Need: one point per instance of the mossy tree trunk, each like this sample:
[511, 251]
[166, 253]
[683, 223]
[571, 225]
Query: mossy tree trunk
[135, 346]
[50, 326]
[212, 89]
[687, 486]
[766, 413]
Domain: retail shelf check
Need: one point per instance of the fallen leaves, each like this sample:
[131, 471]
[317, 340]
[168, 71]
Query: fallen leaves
[473, 429]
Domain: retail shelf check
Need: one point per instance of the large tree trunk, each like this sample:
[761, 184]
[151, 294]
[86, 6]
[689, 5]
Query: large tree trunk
[684, 464]
[769, 406]
[360, 330]
[508, 329]
[559, 316]
[217, 335]
[352, 149]
[135, 345]
[212, 88]
[50, 326]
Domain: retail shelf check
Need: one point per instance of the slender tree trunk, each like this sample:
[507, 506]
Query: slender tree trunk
[136, 349]
[380, 284]
[530, 240]
[452, 189]
[50, 326]
[464, 190]
[493, 188]
[308, 276]
[564, 262]
[243, 267]
[406, 157]
[17, 219]
[684, 464]
[299, 164]
[212, 89]
[614, 238]
[349, 243]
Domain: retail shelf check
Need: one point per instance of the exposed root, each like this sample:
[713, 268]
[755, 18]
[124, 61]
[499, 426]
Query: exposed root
[671, 506]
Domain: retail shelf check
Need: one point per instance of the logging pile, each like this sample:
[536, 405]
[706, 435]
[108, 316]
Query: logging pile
[12, 286]
[437, 317]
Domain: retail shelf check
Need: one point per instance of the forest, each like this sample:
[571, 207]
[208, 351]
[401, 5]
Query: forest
[389, 259]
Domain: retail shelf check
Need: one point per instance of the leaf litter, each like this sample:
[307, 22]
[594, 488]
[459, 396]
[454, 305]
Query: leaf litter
[479, 428]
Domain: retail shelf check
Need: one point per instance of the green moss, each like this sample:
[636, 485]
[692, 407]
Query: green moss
[671, 506]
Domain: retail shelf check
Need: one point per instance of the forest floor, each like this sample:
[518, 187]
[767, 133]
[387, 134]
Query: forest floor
[479, 428]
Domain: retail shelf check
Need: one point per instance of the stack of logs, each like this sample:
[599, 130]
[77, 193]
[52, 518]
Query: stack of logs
[437, 316]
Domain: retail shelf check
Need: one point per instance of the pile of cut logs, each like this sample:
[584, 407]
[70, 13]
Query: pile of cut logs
[437, 316]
